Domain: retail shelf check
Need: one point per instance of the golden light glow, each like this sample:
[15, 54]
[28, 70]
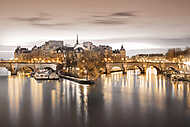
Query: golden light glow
[36, 98]
[15, 95]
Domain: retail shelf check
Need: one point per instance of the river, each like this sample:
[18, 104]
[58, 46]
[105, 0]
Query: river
[116, 100]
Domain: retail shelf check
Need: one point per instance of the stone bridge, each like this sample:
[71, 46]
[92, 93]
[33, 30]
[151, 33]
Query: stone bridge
[143, 66]
[15, 67]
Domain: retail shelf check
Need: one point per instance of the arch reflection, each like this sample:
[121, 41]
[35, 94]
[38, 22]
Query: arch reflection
[15, 96]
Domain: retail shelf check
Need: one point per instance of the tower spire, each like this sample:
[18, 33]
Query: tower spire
[77, 41]
[122, 47]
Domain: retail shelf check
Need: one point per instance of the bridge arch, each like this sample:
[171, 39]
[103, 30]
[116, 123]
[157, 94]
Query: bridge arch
[109, 67]
[158, 69]
[119, 67]
[173, 69]
[16, 67]
[32, 69]
[140, 68]
[115, 68]
[26, 68]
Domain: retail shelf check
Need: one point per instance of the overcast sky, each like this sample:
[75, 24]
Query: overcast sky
[137, 24]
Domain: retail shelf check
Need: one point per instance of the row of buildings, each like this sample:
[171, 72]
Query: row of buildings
[56, 51]
[176, 55]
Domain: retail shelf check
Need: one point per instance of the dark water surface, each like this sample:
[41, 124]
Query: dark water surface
[115, 101]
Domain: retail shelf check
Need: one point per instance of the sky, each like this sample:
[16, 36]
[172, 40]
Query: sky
[137, 24]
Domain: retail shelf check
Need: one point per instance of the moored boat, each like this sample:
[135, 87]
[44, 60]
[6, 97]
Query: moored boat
[44, 74]
[179, 78]
[41, 75]
[76, 79]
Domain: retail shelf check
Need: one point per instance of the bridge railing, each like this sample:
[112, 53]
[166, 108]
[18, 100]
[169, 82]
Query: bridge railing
[26, 62]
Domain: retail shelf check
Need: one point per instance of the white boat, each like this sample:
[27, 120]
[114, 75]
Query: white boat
[44, 74]
[41, 75]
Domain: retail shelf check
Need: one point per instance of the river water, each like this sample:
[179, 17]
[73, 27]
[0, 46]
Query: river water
[116, 100]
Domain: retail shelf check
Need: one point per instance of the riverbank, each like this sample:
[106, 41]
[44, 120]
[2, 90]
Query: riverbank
[180, 77]
[75, 78]
[78, 80]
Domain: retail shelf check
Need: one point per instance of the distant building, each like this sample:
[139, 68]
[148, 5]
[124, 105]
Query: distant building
[89, 45]
[123, 53]
[178, 55]
[22, 53]
[171, 53]
[119, 55]
[150, 55]
[53, 44]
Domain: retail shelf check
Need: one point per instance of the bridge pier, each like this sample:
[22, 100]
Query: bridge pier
[108, 71]
[13, 69]
[124, 67]
[124, 71]
[160, 72]
[143, 71]
[13, 72]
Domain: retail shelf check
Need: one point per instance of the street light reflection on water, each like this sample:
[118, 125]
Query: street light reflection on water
[115, 99]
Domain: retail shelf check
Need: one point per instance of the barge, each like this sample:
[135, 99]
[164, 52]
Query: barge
[78, 80]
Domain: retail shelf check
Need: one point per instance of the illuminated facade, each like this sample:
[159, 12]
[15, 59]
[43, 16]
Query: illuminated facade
[55, 51]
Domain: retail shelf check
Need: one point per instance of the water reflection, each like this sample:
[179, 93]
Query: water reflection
[69, 96]
[117, 98]
[56, 95]
[146, 90]
[77, 95]
[36, 90]
[15, 96]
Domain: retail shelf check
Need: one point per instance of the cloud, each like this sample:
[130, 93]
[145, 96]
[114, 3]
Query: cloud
[156, 42]
[98, 16]
[50, 24]
[117, 15]
[176, 42]
[109, 22]
[117, 18]
[123, 14]
[44, 14]
[42, 20]
[40, 17]
[32, 19]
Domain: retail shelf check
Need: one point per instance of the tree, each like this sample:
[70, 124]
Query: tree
[71, 61]
[90, 62]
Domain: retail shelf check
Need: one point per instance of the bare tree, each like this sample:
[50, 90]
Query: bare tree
[91, 62]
